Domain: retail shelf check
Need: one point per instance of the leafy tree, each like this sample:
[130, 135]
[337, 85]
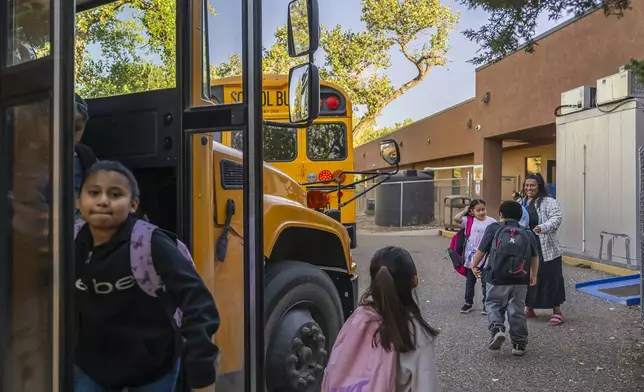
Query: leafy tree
[373, 134]
[137, 41]
[275, 59]
[357, 61]
[512, 23]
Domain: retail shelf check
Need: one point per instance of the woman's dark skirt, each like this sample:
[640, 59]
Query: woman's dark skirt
[550, 290]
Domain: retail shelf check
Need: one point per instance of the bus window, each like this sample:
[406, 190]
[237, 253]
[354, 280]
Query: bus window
[326, 142]
[127, 55]
[28, 29]
[26, 278]
[280, 144]
[225, 54]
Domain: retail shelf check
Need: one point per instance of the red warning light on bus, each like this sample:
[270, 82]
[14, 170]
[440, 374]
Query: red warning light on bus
[332, 102]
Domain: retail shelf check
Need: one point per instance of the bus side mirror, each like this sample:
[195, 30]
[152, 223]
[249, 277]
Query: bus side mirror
[303, 27]
[390, 152]
[303, 93]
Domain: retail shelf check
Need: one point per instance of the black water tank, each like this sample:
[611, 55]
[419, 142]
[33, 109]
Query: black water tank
[417, 199]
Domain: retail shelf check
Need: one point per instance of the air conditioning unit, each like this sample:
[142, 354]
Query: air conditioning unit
[578, 99]
[618, 87]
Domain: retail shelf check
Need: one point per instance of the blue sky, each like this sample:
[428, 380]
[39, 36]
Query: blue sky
[443, 87]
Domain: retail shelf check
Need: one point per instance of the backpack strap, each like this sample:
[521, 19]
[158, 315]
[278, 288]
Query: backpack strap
[468, 225]
[86, 155]
[78, 225]
[141, 262]
[141, 258]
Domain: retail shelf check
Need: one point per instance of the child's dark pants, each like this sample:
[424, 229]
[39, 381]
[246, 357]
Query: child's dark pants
[469, 288]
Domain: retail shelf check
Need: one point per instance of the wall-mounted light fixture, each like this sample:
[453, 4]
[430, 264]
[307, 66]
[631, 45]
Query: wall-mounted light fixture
[469, 123]
[429, 140]
[486, 97]
[401, 143]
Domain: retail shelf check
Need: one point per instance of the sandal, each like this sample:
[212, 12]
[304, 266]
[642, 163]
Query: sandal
[529, 312]
[555, 320]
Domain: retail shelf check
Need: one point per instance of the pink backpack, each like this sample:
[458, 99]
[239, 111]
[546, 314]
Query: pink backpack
[355, 365]
[141, 258]
[456, 250]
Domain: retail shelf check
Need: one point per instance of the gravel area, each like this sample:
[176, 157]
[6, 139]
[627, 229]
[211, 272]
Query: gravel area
[599, 348]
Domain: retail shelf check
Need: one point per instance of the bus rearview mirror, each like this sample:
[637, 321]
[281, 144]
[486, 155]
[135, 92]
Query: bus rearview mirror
[390, 152]
[303, 27]
[303, 93]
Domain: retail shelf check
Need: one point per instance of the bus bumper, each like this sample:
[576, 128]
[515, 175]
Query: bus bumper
[353, 234]
[347, 286]
[354, 295]
[350, 301]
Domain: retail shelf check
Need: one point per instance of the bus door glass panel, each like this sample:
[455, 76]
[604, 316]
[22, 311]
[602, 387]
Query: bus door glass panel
[26, 262]
[27, 31]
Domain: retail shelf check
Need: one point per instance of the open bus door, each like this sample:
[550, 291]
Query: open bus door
[201, 117]
[36, 221]
[36, 194]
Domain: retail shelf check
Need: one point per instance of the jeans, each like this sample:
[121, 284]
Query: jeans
[510, 299]
[469, 287]
[165, 384]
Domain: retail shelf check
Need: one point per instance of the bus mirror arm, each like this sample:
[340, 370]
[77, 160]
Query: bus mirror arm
[387, 176]
[287, 125]
[371, 175]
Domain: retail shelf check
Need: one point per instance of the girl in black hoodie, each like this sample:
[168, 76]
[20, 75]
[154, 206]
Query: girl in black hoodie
[127, 338]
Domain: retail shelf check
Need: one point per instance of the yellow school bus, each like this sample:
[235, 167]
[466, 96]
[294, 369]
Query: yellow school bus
[313, 154]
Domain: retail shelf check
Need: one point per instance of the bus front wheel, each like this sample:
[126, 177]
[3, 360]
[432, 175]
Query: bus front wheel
[303, 315]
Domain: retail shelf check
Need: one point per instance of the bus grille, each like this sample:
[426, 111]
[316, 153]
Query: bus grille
[231, 174]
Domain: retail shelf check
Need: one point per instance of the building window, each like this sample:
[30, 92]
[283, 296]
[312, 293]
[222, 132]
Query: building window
[532, 165]
[456, 182]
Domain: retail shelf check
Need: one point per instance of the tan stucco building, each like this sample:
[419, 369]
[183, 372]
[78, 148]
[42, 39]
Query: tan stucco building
[515, 129]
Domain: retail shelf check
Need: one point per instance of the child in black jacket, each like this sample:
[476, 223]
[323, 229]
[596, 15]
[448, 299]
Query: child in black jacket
[128, 338]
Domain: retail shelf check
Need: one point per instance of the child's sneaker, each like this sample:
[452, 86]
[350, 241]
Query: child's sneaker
[518, 349]
[483, 311]
[466, 308]
[498, 337]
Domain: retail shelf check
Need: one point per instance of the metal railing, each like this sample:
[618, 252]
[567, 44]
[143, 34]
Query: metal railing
[641, 230]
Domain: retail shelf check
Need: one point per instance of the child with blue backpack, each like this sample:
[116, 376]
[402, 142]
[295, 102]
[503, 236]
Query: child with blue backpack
[140, 303]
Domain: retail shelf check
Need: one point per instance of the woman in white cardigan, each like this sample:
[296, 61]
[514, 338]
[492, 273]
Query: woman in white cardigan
[545, 220]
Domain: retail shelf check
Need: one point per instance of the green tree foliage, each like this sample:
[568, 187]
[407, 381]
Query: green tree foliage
[512, 23]
[137, 44]
[275, 59]
[136, 40]
[374, 134]
[358, 61]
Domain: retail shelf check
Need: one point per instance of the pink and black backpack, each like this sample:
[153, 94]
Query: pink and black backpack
[456, 250]
[141, 262]
[357, 364]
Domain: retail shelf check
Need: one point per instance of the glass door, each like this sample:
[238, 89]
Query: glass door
[36, 95]
[241, 333]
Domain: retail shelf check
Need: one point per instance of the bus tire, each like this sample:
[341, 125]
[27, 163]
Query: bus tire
[303, 316]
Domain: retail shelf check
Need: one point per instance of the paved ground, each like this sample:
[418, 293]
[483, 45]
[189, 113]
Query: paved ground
[599, 348]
